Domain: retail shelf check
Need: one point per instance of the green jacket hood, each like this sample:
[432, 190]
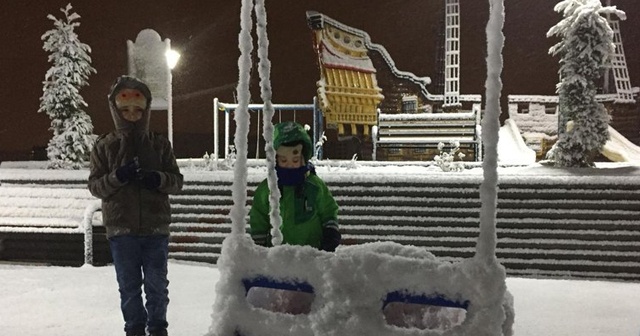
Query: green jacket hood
[291, 132]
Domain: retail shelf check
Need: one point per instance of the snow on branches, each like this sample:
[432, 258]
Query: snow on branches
[72, 129]
[586, 49]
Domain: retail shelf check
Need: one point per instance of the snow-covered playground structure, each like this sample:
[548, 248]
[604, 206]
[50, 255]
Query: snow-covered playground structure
[358, 77]
[363, 94]
[534, 118]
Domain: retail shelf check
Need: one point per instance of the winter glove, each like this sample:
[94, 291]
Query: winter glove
[149, 179]
[128, 171]
[330, 239]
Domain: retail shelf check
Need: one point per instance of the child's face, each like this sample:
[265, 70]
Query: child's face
[131, 113]
[131, 104]
[289, 157]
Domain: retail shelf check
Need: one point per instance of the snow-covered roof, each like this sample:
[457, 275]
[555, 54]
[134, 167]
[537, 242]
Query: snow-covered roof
[334, 59]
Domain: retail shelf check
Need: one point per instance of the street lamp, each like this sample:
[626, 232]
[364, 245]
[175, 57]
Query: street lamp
[172, 57]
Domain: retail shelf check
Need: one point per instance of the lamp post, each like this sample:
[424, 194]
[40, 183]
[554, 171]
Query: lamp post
[172, 59]
[152, 60]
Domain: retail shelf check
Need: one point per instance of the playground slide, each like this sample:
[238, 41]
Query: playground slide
[620, 149]
[511, 147]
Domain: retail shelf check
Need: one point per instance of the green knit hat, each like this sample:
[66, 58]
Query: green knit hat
[292, 133]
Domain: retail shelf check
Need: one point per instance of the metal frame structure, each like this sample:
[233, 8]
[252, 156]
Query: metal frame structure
[452, 54]
[218, 106]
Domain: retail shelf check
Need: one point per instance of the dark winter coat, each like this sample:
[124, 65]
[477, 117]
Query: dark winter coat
[129, 208]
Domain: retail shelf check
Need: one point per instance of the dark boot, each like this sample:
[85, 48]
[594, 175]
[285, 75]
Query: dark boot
[136, 333]
[161, 332]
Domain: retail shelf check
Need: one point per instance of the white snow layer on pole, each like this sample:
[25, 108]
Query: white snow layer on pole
[486, 246]
[241, 116]
[264, 69]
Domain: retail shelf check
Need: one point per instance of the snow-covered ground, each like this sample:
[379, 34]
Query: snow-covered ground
[40, 300]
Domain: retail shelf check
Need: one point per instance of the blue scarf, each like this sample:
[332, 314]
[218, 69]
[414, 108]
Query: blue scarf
[292, 176]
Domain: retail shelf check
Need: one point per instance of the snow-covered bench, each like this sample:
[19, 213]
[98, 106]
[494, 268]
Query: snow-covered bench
[41, 208]
[44, 217]
[411, 136]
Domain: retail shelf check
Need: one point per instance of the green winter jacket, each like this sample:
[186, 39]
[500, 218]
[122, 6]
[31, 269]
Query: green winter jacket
[303, 218]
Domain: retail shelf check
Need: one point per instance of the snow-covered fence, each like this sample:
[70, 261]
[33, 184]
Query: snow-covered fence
[412, 136]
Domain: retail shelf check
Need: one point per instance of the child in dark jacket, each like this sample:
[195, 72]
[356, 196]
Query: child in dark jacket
[132, 171]
[308, 210]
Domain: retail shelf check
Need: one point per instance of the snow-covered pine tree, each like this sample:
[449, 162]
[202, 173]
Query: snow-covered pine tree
[586, 49]
[72, 129]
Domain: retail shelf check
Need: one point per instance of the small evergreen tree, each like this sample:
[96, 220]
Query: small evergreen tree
[586, 48]
[72, 129]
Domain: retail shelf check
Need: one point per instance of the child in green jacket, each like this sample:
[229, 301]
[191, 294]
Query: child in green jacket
[308, 210]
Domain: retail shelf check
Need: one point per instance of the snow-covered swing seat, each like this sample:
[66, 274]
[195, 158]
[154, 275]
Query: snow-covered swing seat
[378, 288]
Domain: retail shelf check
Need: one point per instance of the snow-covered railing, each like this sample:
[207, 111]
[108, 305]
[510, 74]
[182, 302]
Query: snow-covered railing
[87, 224]
[553, 99]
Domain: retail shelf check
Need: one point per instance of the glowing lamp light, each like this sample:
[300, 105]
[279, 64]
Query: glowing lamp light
[172, 58]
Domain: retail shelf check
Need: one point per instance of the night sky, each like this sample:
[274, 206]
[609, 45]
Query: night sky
[206, 34]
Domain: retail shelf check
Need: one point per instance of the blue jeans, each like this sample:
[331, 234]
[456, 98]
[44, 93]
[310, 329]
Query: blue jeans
[142, 260]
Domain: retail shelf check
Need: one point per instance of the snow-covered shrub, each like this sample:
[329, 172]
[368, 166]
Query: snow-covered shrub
[586, 49]
[209, 162]
[72, 129]
[445, 160]
[353, 163]
[230, 160]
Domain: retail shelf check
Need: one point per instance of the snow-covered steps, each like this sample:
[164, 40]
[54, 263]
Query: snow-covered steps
[562, 224]
[548, 226]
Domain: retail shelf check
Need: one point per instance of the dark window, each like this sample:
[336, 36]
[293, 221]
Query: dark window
[550, 109]
[523, 108]
[409, 104]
